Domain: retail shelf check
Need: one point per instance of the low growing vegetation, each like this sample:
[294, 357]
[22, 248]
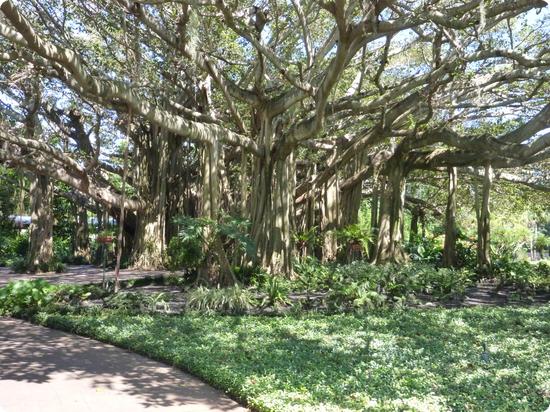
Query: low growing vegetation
[482, 359]
[26, 298]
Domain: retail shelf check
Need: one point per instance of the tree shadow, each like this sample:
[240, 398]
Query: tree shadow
[389, 357]
[81, 275]
[37, 355]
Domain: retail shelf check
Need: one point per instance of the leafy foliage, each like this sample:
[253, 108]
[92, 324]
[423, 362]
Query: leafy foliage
[355, 234]
[425, 250]
[362, 285]
[413, 360]
[13, 247]
[231, 300]
[312, 274]
[307, 238]
[27, 297]
[524, 275]
[188, 248]
[276, 290]
[136, 302]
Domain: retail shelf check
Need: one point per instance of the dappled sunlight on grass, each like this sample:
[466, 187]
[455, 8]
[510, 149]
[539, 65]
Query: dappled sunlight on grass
[425, 360]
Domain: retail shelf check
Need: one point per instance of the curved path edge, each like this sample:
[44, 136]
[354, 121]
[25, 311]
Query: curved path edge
[47, 370]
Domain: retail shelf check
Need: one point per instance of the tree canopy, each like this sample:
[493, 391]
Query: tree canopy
[286, 114]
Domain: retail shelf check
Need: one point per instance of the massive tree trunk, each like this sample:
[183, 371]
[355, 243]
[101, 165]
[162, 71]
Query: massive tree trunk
[81, 241]
[41, 228]
[449, 249]
[306, 218]
[272, 203]
[151, 164]
[484, 222]
[390, 228]
[350, 197]
[383, 240]
[41, 189]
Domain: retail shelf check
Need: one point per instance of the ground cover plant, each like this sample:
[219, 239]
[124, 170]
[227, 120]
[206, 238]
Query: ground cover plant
[478, 359]
[26, 298]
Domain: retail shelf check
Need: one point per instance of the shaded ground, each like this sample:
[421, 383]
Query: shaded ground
[80, 275]
[47, 370]
[488, 293]
[484, 293]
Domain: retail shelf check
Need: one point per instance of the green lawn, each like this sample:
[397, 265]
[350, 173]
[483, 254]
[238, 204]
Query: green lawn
[426, 360]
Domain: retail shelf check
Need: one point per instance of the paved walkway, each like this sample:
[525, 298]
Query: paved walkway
[44, 370]
[83, 274]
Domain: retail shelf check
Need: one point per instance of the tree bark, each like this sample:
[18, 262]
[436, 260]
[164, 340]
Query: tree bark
[390, 235]
[374, 206]
[272, 204]
[383, 240]
[81, 240]
[330, 218]
[41, 228]
[181, 185]
[150, 173]
[413, 231]
[449, 248]
[216, 268]
[484, 222]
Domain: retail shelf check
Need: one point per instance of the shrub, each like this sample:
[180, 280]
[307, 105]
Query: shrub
[13, 247]
[174, 280]
[426, 250]
[25, 297]
[62, 248]
[18, 265]
[54, 265]
[355, 234]
[308, 238]
[363, 285]
[187, 249]
[354, 295]
[76, 294]
[232, 300]
[128, 302]
[135, 303]
[466, 256]
[184, 253]
[276, 290]
[250, 274]
[522, 274]
[442, 283]
[312, 274]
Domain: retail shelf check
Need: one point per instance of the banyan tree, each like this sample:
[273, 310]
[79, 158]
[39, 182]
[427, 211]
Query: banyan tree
[284, 113]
